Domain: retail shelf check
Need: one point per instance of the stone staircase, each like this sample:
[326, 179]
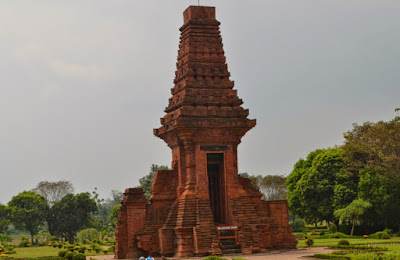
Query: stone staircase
[228, 247]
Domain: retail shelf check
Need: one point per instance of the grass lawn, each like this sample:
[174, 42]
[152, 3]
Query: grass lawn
[40, 251]
[32, 252]
[392, 244]
[354, 241]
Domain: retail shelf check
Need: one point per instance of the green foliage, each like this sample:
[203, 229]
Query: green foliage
[4, 218]
[373, 152]
[343, 242]
[335, 235]
[298, 224]
[318, 185]
[73, 213]
[333, 228]
[385, 236]
[113, 217]
[214, 257]
[88, 233]
[352, 212]
[147, 181]
[395, 256]
[69, 256]
[379, 234]
[331, 256]
[79, 257]
[5, 238]
[28, 211]
[309, 242]
[62, 253]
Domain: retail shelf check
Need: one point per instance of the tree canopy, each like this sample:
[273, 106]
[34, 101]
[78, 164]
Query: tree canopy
[28, 211]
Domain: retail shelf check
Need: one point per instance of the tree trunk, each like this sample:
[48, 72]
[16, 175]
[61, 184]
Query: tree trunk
[352, 229]
[32, 234]
[328, 225]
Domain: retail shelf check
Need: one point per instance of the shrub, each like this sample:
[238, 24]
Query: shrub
[105, 251]
[112, 248]
[310, 242]
[69, 256]
[331, 256]
[385, 236]
[62, 253]
[378, 235]
[3, 256]
[213, 257]
[322, 233]
[335, 235]
[343, 242]
[388, 230]
[79, 257]
[298, 224]
[333, 228]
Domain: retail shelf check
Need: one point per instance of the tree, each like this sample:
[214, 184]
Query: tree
[272, 187]
[28, 211]
[315, 185]
[73, 213]
[54, 191]
[292, 182]
[373, 154]
[352, 212]
[147, 181]
[113, 217]
[5, 238]
[88, 233]
[4, 218]
[377, 145]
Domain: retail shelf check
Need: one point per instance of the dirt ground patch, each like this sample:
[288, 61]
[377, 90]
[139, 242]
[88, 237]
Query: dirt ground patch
[301, 253]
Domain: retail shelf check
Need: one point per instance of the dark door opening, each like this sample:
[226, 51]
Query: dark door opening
[216, 187]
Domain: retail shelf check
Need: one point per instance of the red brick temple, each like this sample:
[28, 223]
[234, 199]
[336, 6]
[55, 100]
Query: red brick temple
[202, 203]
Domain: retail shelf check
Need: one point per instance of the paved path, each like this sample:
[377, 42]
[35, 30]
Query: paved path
[276, 255]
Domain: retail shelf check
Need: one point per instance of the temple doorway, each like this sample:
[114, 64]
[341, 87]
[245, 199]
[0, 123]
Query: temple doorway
[216, 186]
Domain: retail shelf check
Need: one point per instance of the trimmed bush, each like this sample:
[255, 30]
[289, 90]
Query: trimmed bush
[69, 256]
[79, 257]
[335, 235]
[333, 228]
[310, 242]
[213, 257]
[343, 242]
[378, 235]
[329, 256]
[62, 253]
[385, 236]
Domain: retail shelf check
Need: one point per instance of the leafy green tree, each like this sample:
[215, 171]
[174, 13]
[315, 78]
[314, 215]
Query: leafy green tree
[147, 181]
[74, 213]
[353, 212]
[53, 192]
[295, 198]
[373, 154]
[28, 211]
[88, 233]
[5, 238]
[377, 145]
[113, 217]
[4, 218]
[316, 185]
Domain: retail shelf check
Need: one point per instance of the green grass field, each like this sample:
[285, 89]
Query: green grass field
[331, 242]
[41, 251]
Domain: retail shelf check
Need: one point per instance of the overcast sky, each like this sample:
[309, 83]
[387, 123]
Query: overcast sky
[83, 83]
